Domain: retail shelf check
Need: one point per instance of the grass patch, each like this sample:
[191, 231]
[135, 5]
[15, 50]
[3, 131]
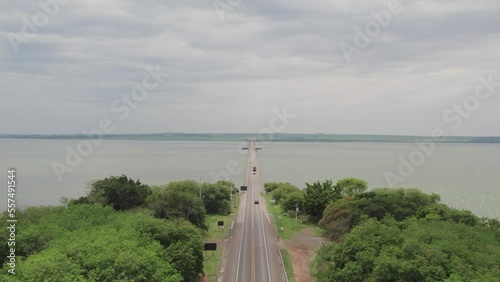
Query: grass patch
[211, 264]
[320, 232]
[313, 266]
[285, 220]
[287, 260]
[214, 234]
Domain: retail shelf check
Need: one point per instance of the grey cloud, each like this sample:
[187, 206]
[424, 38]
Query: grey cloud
[228, 75]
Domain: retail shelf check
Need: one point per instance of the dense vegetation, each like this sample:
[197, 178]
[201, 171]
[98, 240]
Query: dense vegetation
[412, 250]
[315, 197]
[122, 230]
[393, 234]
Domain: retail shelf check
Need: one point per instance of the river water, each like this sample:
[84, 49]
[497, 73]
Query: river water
[467, 176]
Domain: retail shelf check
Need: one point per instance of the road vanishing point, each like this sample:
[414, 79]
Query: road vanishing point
[252, 253]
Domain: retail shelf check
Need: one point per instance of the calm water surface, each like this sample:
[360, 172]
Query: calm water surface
[465, 175]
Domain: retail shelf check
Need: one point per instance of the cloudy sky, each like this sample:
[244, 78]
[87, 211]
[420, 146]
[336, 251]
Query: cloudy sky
[231, 64]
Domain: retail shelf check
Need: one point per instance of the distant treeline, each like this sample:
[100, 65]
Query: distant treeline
[485, 140]
[277, 137]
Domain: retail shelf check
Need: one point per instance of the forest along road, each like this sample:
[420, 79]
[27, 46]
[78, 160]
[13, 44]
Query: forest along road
[252, 251]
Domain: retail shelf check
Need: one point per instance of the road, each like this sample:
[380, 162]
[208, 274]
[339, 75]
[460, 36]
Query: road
[253, 250]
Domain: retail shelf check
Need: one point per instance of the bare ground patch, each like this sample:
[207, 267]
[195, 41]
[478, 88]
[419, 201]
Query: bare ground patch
[301, 249]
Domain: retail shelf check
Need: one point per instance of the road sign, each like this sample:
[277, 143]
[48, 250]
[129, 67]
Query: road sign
[210, 246]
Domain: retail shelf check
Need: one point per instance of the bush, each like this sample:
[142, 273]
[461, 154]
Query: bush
[283, 189]
[291, 200]
[121, 193]
[96, 243]
[410, 250]
[217, 197]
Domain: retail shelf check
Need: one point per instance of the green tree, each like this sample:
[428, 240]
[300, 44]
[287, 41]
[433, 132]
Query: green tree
[342, 215]
[228, 184]
[351, 186]
[102, 254]
[411, 250]
[270, 186]
[283, 189]
[317, 196]
[169, 203]
[188, 186]
[337, 217]
[79, 201]
[439, 211]
[182, 242]
[291, 200]
[96, 243]
[401, 203]
[121, 193]
[217, 197]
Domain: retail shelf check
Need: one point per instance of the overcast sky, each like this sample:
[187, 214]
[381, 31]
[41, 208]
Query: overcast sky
[227, 75]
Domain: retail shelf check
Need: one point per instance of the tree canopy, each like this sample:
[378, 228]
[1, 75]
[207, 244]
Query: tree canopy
[281, 190]
[292, 200]
[95, 243]
[341, 215]
[217, 196]
[411, 250]
[177, 199]
[406, 235]
[317, 196]
[122, 193]
[169, 203]
[351, 186]
[122, 230]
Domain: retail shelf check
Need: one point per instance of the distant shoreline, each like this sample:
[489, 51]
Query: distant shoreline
[278, 137]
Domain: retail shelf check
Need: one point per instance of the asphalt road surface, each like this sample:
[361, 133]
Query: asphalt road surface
[252, 251]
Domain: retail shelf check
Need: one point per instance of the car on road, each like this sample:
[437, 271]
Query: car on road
[256, 202]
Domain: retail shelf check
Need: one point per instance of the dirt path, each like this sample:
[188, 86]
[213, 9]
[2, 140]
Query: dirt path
[301, 249]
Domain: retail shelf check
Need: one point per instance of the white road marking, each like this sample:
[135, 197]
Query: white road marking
[265, 247]
[241, 240]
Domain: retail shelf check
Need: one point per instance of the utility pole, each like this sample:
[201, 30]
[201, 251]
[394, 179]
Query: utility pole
[200, 187]
[296, 212]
